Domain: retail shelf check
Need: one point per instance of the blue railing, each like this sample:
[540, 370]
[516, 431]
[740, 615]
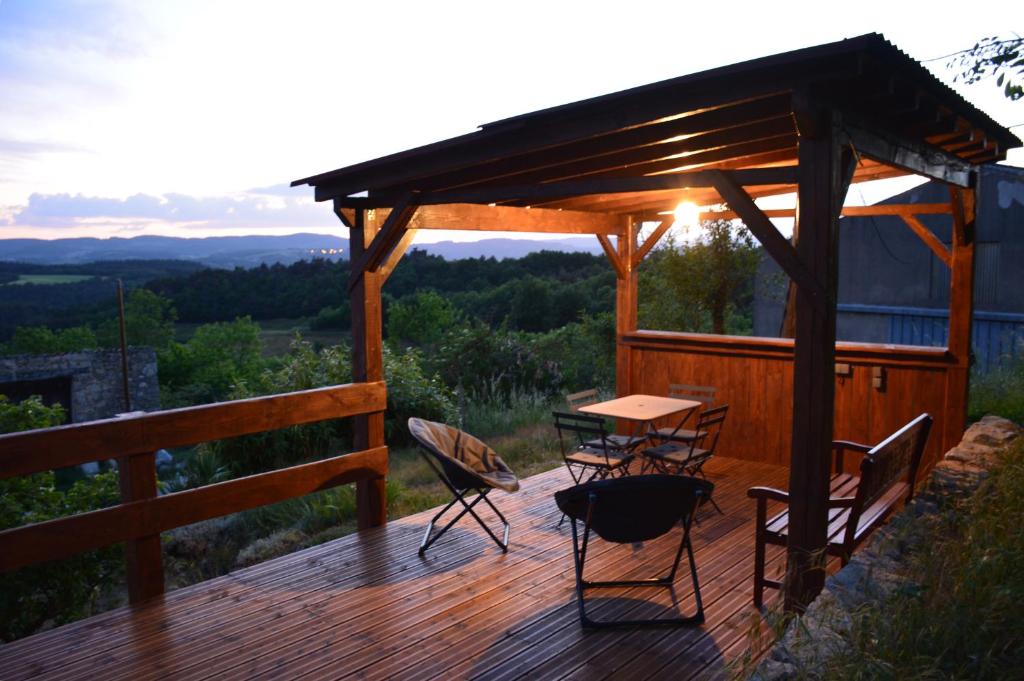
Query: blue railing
[997, 338]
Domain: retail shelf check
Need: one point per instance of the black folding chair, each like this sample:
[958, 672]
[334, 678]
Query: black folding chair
[587, 447]
[689, 457]
[464, 464]
[630, 510]
[587, 397]
[704, 394]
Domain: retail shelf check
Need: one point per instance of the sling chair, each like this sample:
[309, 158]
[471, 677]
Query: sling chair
[629, 510]
[464, 464]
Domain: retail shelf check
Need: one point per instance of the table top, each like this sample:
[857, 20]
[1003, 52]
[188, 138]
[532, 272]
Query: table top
[640, 407]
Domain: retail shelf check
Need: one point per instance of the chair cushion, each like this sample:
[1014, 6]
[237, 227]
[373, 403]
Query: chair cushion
[617, 441]
[683, 434]
[676, 454]
[634, 508]
[464, 451]
[595, 457]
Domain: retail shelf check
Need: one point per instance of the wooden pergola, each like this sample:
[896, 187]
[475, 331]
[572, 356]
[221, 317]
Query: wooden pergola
[809, 122]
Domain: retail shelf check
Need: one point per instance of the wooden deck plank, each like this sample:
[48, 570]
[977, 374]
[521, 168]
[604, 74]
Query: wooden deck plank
[367, 606]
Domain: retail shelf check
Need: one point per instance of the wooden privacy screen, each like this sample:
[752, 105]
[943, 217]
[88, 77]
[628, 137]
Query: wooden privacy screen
[754, 376]
[142, 515]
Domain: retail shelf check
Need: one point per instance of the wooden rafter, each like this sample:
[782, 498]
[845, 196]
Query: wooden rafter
[474, 217]
[899, 209]
[926, 160]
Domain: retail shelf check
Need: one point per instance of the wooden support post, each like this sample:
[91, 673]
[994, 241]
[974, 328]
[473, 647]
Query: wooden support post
[818, 195]
[961, 311]
[625, 307]
[367, 364]
[143, 556]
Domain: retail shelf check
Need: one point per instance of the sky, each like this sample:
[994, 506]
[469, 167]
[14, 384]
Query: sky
[191, 118]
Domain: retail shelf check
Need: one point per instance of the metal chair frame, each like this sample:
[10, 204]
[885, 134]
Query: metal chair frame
[709, 423]
[701, 393]
[587, 397]
[459, 491]
[590, 434]
[579, 555]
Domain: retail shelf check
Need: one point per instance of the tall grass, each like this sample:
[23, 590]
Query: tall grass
[1001, 391]
[959, 614]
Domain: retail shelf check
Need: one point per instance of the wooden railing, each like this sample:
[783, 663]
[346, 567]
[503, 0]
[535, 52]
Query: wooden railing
[878, 388]
[142, 515]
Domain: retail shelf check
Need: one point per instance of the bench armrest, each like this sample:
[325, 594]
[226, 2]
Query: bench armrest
[839, 448]
[768, 493]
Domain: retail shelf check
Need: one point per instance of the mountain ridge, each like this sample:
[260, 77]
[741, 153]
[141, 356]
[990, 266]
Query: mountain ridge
[254, 250]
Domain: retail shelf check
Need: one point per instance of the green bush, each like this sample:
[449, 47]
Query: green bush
[336, 318]
[1001, 391]
[40, 340]
[58, 591]
[490, 365]
[419, 319]
[411, 392]
[208, 367]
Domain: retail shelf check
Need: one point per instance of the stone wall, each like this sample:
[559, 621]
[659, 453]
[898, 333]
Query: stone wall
[96, 390]
[873, 574]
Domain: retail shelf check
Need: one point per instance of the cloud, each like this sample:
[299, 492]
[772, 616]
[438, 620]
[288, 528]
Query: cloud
[28, 148]
[256, 209]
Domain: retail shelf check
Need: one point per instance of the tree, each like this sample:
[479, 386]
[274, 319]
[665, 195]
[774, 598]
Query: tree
[208, 367]
[421, 319]
[149, 320]
[40, 340]
[702, 285]
[992, 57]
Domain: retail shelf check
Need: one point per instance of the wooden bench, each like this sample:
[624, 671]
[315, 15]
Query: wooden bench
[856, 505]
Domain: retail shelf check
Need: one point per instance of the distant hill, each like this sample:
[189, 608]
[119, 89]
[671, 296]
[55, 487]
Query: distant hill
[251, 251]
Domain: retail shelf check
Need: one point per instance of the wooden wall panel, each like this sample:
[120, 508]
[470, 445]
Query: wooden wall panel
[755, 377]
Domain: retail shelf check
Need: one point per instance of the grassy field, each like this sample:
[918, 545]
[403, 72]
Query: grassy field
[277, 334]
[51, 279]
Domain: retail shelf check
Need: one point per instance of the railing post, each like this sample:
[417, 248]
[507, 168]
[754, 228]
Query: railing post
[143, 556]
[367, 365]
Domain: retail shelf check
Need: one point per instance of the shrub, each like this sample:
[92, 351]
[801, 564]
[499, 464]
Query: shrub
[57, 591]
[211, 363]
[40, 340]
[494, 365]
[1001, 391]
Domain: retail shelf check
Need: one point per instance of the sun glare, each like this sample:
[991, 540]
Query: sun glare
[687, 215]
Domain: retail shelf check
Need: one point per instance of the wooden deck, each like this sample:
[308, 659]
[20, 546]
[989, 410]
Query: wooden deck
[367, 606]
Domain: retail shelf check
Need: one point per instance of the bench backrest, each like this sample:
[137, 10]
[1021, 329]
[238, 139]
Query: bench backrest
[893, 460]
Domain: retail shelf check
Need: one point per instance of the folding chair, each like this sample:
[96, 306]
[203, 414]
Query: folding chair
[588, 448]
[464, 464]
[704, 394]
[688, 458]
[630, 510]
[587, 397]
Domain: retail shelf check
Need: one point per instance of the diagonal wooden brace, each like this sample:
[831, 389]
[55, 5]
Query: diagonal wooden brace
[390, 234]
[777, 245]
